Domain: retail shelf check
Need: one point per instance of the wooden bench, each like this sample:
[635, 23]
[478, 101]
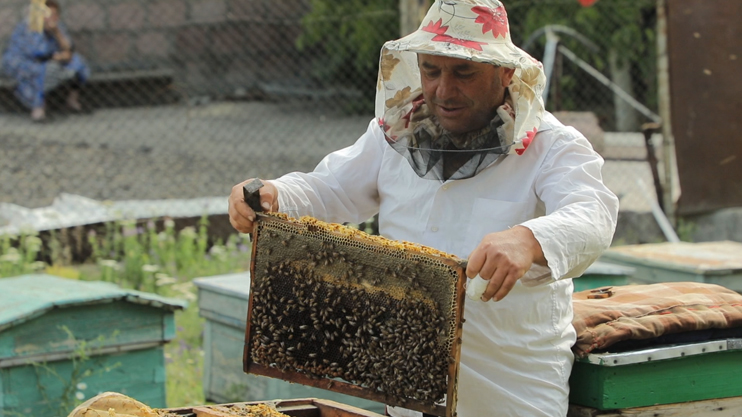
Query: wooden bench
[110, 76]
[112, 89]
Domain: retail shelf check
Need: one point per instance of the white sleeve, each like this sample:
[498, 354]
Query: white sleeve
[581, 212]
[342, 188]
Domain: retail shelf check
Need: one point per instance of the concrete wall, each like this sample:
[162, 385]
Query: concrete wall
[214, 46]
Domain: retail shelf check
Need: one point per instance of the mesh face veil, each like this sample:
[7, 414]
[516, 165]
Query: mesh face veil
[474, 30]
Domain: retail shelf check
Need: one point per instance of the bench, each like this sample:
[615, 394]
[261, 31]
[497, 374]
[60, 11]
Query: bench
[110, 76]
[115, 88]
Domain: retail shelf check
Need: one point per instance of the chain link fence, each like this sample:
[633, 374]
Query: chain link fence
[188, 97]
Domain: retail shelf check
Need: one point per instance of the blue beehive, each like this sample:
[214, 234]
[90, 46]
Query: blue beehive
[63, 341]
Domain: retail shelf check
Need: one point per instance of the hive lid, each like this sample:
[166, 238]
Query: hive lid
[25, 297]
[722, 257]
[606, 268]
[236, 285]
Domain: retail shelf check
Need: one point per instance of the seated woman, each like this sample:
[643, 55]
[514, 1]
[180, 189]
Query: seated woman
[41, 61]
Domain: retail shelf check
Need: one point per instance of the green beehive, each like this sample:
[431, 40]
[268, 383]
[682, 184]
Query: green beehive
[63, 341]
[603, 274]
[660, 375]
[223, 302]
[710, 262]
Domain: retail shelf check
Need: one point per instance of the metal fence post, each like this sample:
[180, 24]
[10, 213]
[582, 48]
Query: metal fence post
[663, 91]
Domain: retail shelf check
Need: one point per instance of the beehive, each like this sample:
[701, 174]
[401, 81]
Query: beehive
[710, 262]
[338, 309]
[603, 274]
[64, 340]
[301, 407]
[658, 375]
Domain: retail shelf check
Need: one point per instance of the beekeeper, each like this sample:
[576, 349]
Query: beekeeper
[462, 157]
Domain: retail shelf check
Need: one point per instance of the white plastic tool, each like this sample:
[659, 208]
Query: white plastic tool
[537, 275]
[475, 287]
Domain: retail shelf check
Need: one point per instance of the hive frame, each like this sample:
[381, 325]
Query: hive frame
[302, 230]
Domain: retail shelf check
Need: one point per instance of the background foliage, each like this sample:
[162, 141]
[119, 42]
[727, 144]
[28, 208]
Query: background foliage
[348, 36]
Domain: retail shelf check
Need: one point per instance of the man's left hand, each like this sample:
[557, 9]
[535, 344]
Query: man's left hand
[503, 258]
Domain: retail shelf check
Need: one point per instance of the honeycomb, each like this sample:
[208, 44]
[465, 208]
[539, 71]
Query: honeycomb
[331, 302]
[247, 410]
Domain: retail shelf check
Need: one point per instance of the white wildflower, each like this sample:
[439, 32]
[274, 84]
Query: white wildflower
[79, 395]
[33, 242]
[189, 231]
[38, 265]
[217, 250]
[82, 386]
[109, 263]
[11, 256]
[164, 279]
[150, 268]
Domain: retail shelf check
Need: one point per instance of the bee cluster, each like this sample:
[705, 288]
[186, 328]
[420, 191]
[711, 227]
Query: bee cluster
[331, 309]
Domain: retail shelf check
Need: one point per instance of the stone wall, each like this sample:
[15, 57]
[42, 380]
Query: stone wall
[213, 46]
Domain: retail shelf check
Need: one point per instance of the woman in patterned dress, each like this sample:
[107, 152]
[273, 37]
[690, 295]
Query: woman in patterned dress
[42, 61]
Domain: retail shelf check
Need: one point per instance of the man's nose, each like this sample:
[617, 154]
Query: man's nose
[446, 88]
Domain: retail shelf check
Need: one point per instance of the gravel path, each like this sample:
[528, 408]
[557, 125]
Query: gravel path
[163, 152]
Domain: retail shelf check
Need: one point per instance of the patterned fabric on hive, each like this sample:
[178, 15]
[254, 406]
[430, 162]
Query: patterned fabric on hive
[465, 29]
[640, 312]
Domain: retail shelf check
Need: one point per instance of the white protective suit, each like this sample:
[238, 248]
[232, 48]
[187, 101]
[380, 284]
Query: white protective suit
[515, 357]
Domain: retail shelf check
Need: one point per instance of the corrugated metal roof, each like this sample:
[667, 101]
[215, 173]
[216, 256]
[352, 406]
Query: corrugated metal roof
[69, 210]
[25, 297]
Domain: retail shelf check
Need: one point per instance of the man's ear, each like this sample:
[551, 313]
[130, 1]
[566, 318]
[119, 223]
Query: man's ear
[506, 76]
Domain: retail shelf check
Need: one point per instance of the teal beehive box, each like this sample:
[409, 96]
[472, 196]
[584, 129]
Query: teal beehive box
[603, 274]
[63, 341]
[717, 263]
[223, 302]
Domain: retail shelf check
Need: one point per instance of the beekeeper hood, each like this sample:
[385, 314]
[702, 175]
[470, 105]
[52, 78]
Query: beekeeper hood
[475, 30]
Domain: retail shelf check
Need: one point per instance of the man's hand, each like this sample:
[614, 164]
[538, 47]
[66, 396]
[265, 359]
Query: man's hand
[62, 56]
[241, 215]
[503, 258]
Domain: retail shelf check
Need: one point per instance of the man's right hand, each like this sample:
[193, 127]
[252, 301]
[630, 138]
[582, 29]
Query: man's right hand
[241, 215]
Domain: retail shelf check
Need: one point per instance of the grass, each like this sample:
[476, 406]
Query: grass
[145, 257]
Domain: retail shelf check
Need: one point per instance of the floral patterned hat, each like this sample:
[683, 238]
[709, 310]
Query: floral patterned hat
[475, 30]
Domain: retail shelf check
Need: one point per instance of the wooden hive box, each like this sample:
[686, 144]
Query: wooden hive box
[223, 302]
[710, 262]
[63, 341]
[656, 376]
[303, 407]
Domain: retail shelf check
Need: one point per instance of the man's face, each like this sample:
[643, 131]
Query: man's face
[463, 95]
